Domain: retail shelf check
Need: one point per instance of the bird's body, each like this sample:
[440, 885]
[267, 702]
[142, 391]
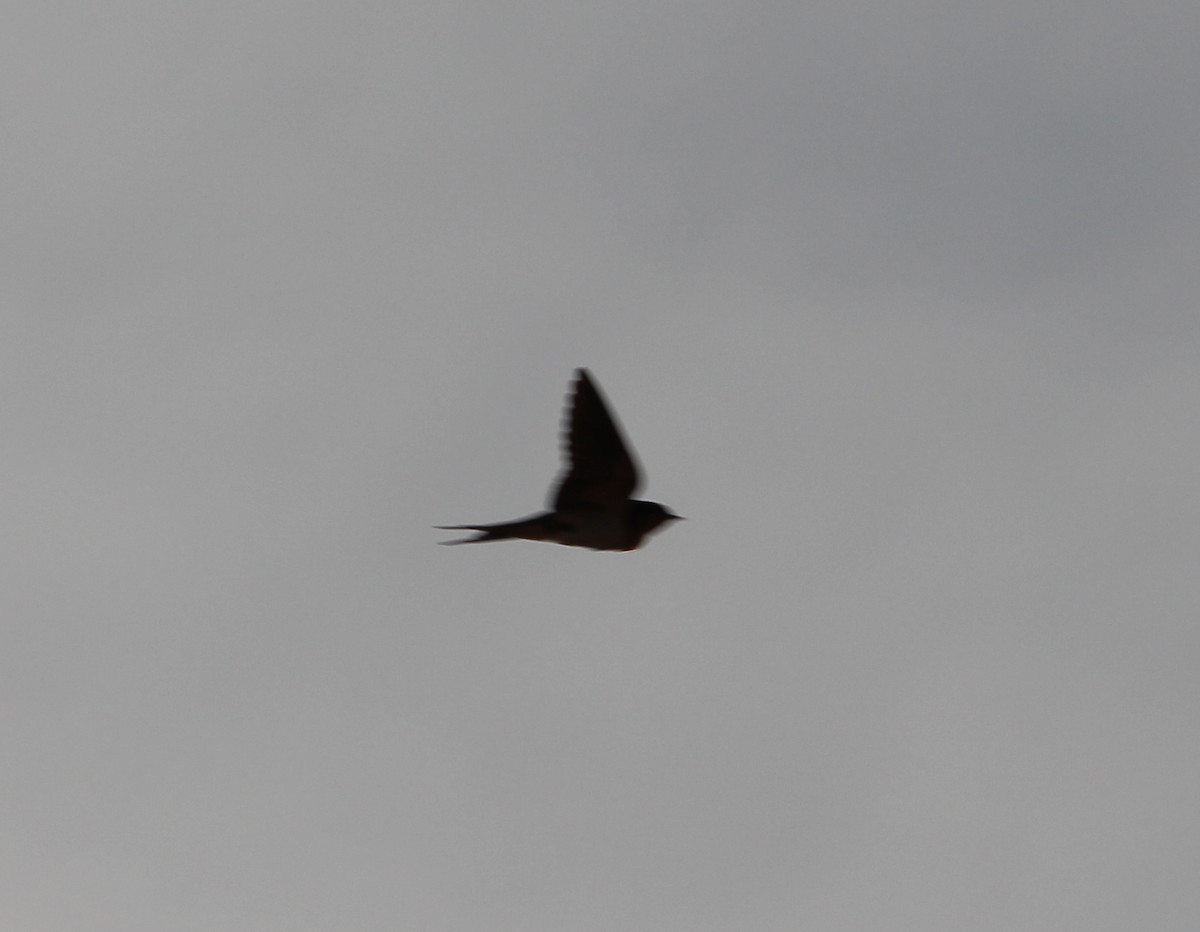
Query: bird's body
[592, 505]
[596, 528]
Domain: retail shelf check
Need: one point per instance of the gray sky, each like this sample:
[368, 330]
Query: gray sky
[898, 303]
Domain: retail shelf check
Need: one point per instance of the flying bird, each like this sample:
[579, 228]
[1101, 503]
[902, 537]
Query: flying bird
[592, 506]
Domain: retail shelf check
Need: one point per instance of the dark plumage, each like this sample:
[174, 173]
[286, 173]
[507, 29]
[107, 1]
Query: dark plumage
[592, 506]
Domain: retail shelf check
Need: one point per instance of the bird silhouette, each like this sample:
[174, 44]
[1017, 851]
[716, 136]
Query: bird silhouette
[592, 506]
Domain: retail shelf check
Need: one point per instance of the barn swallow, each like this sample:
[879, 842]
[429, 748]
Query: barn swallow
[592, 506]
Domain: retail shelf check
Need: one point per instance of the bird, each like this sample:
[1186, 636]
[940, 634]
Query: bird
[592, 505]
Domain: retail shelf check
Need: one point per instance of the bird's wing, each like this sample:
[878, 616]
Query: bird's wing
[600, 468]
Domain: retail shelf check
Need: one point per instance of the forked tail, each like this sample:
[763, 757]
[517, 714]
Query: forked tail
[526, 529]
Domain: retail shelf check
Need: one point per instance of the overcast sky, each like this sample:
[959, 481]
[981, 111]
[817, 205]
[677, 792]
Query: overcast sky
[899, 303]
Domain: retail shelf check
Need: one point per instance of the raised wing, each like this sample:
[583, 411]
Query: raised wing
[601, 472]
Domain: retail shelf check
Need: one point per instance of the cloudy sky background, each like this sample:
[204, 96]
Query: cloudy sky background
[898, 303]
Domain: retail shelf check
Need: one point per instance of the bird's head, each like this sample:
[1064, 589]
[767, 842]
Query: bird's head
[648, 516]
